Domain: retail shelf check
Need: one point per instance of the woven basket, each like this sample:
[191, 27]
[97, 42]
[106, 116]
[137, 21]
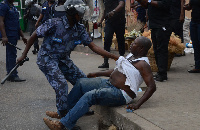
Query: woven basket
[152, 61]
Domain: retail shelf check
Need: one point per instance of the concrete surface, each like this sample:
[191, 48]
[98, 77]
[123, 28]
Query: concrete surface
[174, 106]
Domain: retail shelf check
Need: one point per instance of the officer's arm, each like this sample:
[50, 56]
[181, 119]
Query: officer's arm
[2, 27]
[29, 43]
[28, 46]
[101, 51]
[3, 32]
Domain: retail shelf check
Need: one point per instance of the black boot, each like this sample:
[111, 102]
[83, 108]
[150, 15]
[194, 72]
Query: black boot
[34, 51]
[105, 64]
[37, 48]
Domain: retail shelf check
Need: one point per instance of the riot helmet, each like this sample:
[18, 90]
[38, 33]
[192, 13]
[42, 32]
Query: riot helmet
[73, 7]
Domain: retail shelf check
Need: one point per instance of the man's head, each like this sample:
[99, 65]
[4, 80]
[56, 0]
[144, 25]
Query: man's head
[75, 9]
[140, 46]
[29, 2]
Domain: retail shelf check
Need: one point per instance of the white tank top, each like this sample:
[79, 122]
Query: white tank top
[133, 76]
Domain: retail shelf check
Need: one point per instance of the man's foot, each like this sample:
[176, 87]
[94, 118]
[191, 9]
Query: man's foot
[53, 114]
[104, 65]
[57, 125]
[54, 125]
[15, 79]
[194, 71]
[34, 51]
[160, 78]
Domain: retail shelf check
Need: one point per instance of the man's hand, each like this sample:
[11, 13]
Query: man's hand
[24, 40]
[91, 75]
[4, 41]
[20, 59]
[132, 107]
[111, 14]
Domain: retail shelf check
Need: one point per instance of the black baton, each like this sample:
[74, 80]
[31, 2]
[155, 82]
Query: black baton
[12, 45]
[16, 66]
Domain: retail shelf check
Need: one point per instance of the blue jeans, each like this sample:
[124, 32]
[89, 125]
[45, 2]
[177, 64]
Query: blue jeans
[195, 37]
[58, 73]
[87, 92]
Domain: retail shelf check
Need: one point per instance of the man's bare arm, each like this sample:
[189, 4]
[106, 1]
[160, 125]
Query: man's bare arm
[145, 71]
[101, 73]
[182, 15]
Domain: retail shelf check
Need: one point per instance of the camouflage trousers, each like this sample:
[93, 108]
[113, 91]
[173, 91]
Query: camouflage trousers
[58, 73]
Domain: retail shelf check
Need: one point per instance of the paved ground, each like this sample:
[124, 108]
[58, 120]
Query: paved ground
[174, 106]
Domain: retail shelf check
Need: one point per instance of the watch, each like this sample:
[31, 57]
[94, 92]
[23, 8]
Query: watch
[114, 10]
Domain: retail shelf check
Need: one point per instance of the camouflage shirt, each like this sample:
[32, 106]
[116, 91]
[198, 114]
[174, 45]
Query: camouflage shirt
[60, 39]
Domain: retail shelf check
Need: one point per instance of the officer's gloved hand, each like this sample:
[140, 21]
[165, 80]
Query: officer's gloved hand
[4, 41]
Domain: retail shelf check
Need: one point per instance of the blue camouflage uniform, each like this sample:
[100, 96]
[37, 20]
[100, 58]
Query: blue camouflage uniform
[53, 57]
[12, 28]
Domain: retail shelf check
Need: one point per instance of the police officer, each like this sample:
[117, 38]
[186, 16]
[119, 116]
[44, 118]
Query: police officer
[10, 32]
[32, 13]
[61, 36]
[47, 11]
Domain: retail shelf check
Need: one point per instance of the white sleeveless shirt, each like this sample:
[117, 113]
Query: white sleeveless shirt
[133, 76]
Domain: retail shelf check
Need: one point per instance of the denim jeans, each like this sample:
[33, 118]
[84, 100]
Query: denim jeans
[195, 37]
[87, 92]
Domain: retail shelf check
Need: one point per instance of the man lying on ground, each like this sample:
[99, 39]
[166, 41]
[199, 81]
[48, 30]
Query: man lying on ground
[120, 89]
